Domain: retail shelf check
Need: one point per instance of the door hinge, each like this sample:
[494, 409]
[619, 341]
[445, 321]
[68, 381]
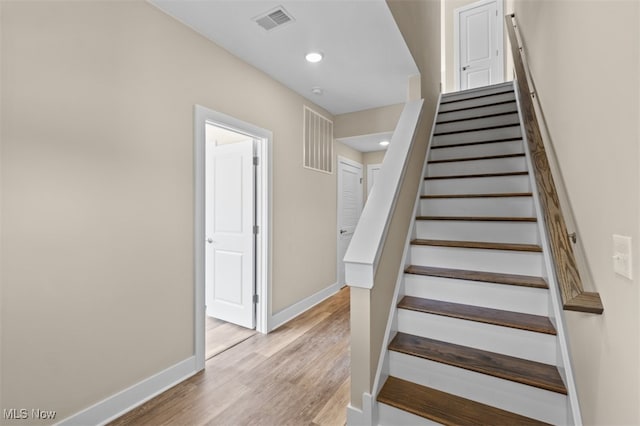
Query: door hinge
[255, 161]
[360, 180]
[255, 298]
[256, 229]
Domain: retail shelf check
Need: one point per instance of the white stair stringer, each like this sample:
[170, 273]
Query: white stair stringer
[504, 196]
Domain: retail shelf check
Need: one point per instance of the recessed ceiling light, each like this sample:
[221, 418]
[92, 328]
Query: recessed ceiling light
[314, 57]
[384, 143]
[316, 90]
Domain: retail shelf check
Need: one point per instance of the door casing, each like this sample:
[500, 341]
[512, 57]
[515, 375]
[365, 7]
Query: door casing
[343, 160]
[264, 139]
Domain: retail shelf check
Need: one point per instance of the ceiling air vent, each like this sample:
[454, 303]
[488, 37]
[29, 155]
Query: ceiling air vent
[273, 18]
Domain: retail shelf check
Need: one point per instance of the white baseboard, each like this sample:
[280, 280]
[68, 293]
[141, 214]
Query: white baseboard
[355, 416]
[296, 309]
[118, 404]
[364, 417]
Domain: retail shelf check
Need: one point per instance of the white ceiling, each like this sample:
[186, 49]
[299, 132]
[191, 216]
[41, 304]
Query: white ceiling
[367, 143]
[366, 61]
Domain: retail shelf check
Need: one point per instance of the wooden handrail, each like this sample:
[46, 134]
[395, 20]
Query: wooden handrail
[574, 298]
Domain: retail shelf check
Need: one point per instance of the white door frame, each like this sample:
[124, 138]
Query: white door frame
[353, 163]
[370, 168]
[456, 36]
[264, 137]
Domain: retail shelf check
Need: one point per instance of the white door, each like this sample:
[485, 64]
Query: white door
[372, 172]
[229, 210]
[349, 207]
[479, 30]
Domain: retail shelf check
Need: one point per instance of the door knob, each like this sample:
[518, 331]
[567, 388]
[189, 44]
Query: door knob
[210, 240]
[343, 231]
[465, 68]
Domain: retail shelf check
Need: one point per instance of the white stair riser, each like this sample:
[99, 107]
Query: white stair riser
[479, 91]
[478, 123]
[472, 103]
[505, 340]
[478, 136]
[478, 112]
[488, 206]
[496, 232]
[479, 185]
[496, 165]
[515, 397]
[506, 297]
[480, 150]
[501, 261]
[391, 416]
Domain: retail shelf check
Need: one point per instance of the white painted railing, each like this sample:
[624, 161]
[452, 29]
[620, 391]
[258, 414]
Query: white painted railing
[363, 255]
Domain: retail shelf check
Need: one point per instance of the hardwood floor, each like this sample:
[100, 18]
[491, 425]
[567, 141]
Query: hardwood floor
[297, 375]
[223, 335]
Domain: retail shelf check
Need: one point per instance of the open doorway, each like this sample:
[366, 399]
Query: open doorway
[232, 231]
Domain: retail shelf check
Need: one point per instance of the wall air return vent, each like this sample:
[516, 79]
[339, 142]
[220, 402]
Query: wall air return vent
[274, 18]
[317, 138]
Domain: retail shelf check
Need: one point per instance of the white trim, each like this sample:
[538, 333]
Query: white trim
[355, 416]
[365, 416]
[360, 167]
[363, 255]
[120, 403]
[556, 314]
[456, 39]
[263, 219]
[399, 288]
[289, 313]
[370, 168]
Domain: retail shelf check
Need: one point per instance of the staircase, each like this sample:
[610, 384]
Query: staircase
[473, 339]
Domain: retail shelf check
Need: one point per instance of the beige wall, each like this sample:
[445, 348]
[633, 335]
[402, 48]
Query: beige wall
[419, 23]
[584, 58]
[449, 7]
[97, 188]
[367, 122]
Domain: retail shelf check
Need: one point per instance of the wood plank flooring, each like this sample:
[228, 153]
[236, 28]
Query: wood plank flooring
[222, 335]
[299, 374]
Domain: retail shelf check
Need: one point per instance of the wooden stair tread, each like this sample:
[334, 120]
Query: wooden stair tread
[480, 218]
[492, 195]
[475, 143]
[512, 101]
[477, 117]
[478, 245]
[477, 129]
[477, 175]
[486, 157]
[532, 373]
[445, 99]
[488, 277]
[445, 408]
[528, 322]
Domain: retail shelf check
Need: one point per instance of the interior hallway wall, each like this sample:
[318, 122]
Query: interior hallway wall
[585, 62]
[97, 187]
